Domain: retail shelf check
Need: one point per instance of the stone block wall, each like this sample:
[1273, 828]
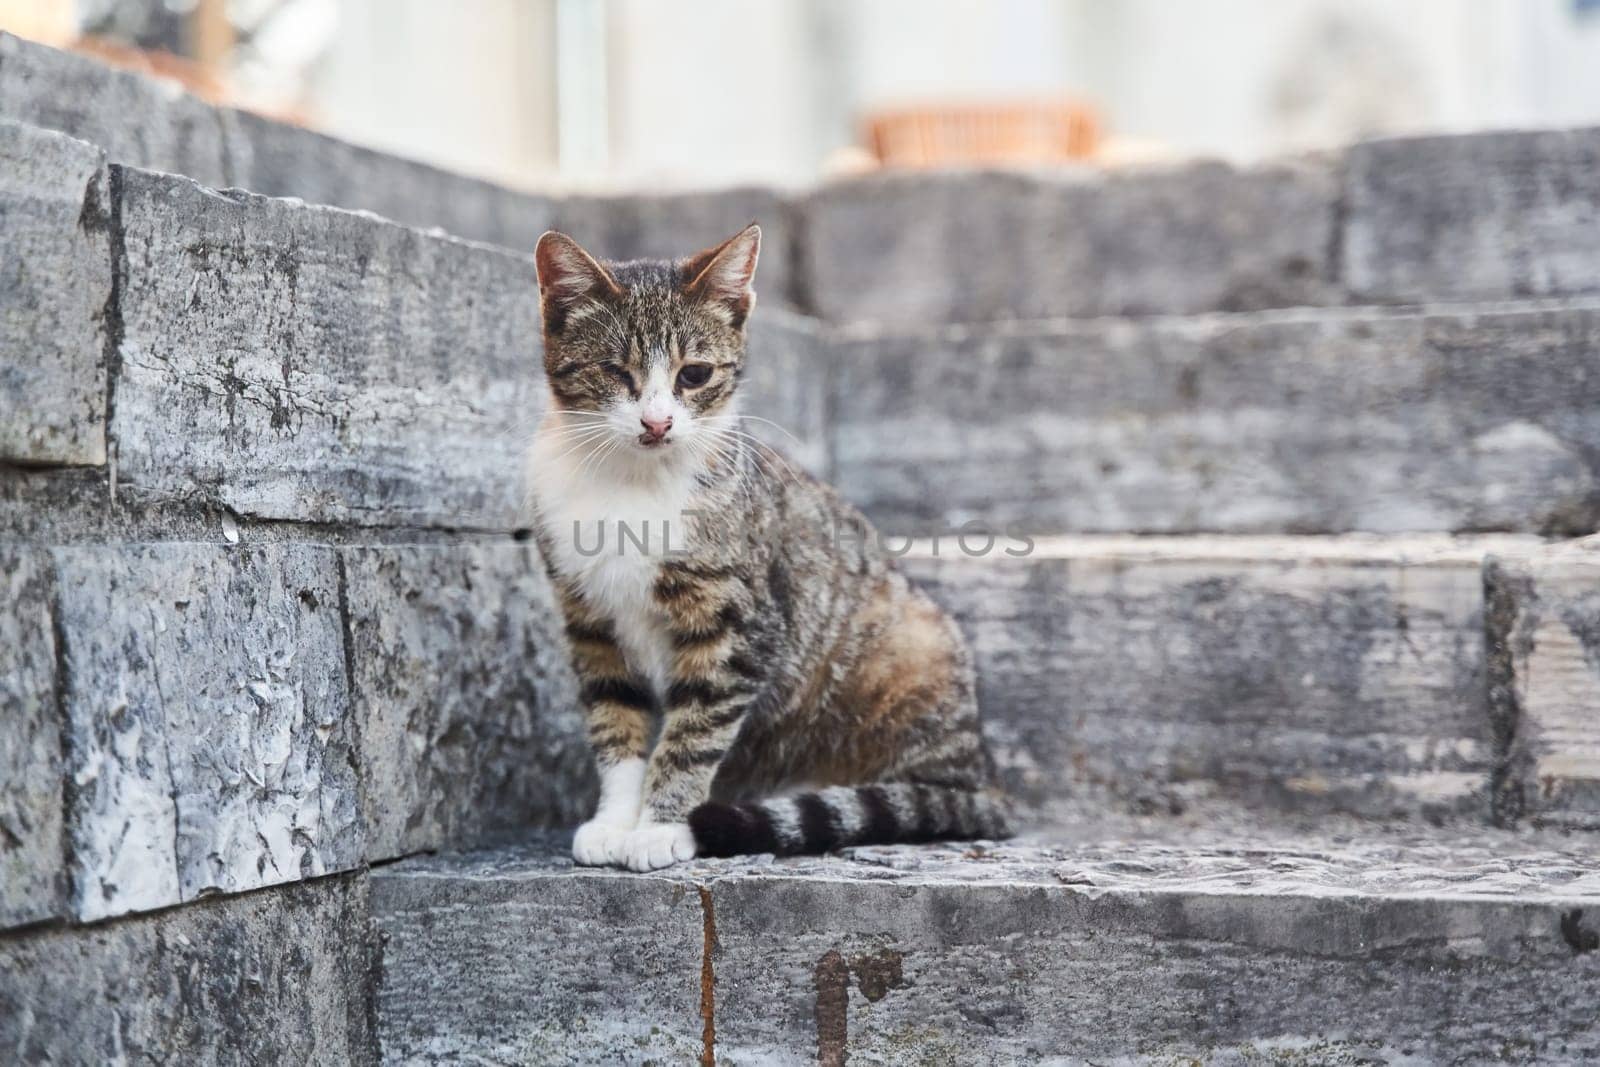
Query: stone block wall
[1543, 625]
[54, 285]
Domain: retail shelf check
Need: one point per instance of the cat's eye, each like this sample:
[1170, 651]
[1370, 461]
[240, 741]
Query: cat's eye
[694, 375]
[620, 373]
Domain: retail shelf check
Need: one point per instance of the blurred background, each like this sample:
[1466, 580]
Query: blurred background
[652, 94]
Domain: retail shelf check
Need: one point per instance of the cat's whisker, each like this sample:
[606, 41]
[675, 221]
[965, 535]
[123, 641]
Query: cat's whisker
[745, 475]
[561, 433]
[726, 455]
[764, 452]
[729, 447]
[567, 431]
[593, 441]
[581, 418]
[757, 418]
[598, 457]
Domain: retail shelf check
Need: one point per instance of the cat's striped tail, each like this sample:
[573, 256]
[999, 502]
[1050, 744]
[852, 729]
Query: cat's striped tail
[832, 818]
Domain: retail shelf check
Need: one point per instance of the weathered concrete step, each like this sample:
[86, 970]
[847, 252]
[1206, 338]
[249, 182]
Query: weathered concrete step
[1465, 418]
[1216, 950]
[1314, 672]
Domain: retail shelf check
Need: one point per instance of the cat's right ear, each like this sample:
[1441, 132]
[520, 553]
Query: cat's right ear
[569, 279]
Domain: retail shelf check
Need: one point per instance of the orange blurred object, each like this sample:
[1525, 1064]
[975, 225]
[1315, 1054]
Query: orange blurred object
[204, 80]
[1036, 132]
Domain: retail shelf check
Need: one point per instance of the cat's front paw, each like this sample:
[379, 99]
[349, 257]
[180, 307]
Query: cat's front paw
[600, 844]
[657, 845]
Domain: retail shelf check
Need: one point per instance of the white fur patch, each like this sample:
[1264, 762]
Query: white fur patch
[656, 845]
[597, 844]
[847, 811]
[589, 479]
[601, 840]
[610, 523]
[785, 816]
[621, 793]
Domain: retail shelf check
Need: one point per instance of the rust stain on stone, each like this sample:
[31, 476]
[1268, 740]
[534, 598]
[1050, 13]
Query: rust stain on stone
[708, 982]
[878, 973]
[832, 978]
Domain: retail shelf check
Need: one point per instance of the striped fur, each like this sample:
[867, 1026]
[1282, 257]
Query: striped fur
[841, 816]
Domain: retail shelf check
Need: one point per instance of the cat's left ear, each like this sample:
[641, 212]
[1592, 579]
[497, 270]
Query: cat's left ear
[568, 278]
[722, 276]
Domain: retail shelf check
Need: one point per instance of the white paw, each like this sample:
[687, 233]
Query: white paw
[654, 846]
[599, 844]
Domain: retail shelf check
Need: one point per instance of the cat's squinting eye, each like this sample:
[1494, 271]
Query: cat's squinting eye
[620, 373]
[694, 375]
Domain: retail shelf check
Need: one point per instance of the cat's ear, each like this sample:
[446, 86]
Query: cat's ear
[569, 278]
[722, 276]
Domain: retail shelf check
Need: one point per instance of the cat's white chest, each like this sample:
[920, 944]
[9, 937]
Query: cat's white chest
[609, 539]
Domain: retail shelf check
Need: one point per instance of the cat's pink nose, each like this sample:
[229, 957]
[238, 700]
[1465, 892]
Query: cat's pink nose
[656, 429]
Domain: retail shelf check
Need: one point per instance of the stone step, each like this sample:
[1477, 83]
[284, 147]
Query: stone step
[921, 248]
[143, 122]
[1198, 945]
[1482, 217]
[280, 976]
[409, 697]
[184, 720]
[1494, 216]
[1452, 418]
[286, 361]
[1313, 673]
[1491, 216]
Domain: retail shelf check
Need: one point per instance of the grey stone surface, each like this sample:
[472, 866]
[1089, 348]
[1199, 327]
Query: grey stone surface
[297, 362]
[784, 391]
[33, 878]
[1489, 215]
[55, 280]
[470, 721]
[211, 741]
[1544, 669]
[282, 976]
[1315, 673]
[1397, 949]
[276, 159]
[925, 248]
[674, 225]
[1304, 422]
[138, 120]
[550, 968]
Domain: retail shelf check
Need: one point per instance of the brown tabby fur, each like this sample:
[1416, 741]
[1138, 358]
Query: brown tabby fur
[801, 659]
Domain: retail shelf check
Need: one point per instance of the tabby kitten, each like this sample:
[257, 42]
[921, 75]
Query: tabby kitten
[757, 675]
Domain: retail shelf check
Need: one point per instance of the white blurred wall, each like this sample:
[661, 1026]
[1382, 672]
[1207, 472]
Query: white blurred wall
[716, 91]
[1248, 78]
[466, 85]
